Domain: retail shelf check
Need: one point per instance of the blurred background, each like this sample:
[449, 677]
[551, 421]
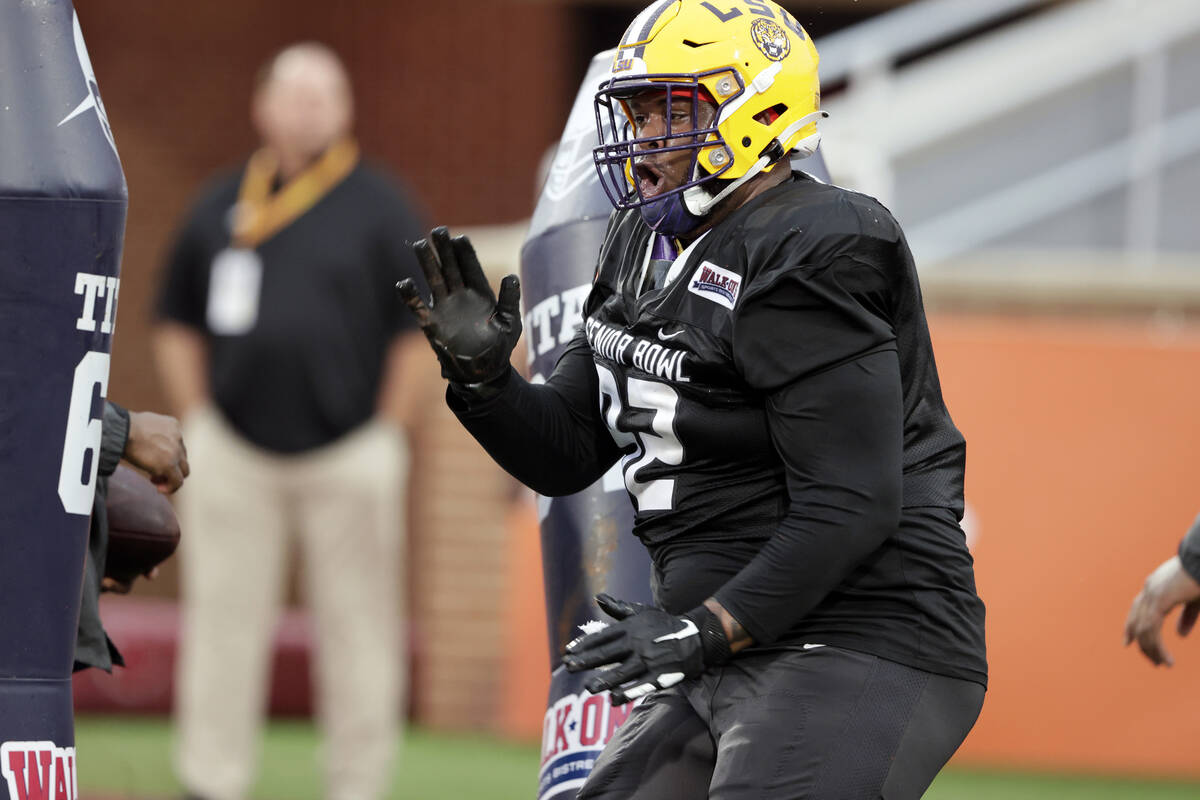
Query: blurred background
[1044, 159]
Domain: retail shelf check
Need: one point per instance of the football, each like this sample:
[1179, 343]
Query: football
[142, 528]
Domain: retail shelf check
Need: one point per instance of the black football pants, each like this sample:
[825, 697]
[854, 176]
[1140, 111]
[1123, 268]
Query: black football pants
[790, 724]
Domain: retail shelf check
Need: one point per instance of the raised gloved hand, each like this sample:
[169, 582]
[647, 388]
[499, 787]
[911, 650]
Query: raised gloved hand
[472, 333]
[648, 648]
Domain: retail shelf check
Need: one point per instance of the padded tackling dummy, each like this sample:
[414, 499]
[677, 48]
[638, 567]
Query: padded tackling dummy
[62, 222]
[587, 546]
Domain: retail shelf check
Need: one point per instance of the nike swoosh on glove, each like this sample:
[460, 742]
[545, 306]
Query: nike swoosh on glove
[647, 649]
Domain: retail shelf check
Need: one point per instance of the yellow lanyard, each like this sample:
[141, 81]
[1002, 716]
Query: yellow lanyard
[259, 214]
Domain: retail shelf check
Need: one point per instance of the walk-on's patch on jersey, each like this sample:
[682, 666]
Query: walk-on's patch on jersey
[39, 771]
[714, 283]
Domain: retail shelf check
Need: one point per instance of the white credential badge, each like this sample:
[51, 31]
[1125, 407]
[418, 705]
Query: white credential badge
[233, 292]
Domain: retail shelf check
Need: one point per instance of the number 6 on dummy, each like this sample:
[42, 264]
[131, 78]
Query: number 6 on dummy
[81, 444]
[62, 221]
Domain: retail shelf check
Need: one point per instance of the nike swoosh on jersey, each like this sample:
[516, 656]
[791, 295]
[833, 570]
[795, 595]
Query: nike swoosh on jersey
[662, 334]
[689, 629]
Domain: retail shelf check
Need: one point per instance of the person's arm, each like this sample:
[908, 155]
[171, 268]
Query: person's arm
[407, 371]
[1189, 551]
[155, 446]
[181, 354]
[839, 434]
[548, 436]
[178, 333]
[817, 339]
[114, 436]
[1176, 582]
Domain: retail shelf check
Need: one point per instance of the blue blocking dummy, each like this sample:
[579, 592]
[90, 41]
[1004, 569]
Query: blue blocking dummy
[62, 220]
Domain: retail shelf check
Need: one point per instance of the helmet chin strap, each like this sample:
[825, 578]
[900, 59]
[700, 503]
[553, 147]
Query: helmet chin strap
[700, 202]
[808, 145]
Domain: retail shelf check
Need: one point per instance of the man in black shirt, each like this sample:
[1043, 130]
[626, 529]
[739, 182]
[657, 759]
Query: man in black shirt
[290, 370]
[755, 352]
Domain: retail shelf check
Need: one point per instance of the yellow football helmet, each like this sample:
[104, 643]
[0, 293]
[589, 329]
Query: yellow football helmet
[750, 58]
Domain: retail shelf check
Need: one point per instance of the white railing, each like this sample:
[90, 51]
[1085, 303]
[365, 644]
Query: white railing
[1011, 208]
[879, 42]
[886, 114]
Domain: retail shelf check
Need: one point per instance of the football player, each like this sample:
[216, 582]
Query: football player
[755, 352]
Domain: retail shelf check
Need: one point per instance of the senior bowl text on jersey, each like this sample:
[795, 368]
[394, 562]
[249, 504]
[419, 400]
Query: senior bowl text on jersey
[638, 352]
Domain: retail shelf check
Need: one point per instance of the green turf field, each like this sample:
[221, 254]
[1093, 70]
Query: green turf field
[129, 759]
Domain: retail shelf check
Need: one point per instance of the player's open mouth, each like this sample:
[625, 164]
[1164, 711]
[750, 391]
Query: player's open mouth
[650, 179]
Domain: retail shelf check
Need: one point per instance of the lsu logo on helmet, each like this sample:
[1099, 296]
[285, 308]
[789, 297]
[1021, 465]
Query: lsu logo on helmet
[769, 37]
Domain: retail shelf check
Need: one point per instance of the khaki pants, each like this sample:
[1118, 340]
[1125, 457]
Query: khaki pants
[241, 512]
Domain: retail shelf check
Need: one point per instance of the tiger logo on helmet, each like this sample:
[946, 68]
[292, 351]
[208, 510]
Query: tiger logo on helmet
[749, 58]
[769, 37]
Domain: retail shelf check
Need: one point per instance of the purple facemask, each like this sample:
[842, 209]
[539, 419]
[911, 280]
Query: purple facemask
[669, 213]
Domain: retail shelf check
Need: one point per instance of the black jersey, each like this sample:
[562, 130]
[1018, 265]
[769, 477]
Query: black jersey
[807, 277]
[783, 434]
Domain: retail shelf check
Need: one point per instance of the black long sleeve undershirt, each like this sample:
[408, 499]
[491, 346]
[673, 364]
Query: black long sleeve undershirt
[1189, 551]
[550, 436]
[840, 436]
[93, 648]
[114, 435]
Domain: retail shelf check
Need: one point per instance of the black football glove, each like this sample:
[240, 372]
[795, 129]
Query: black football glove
[648, 648]
[472, 333]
